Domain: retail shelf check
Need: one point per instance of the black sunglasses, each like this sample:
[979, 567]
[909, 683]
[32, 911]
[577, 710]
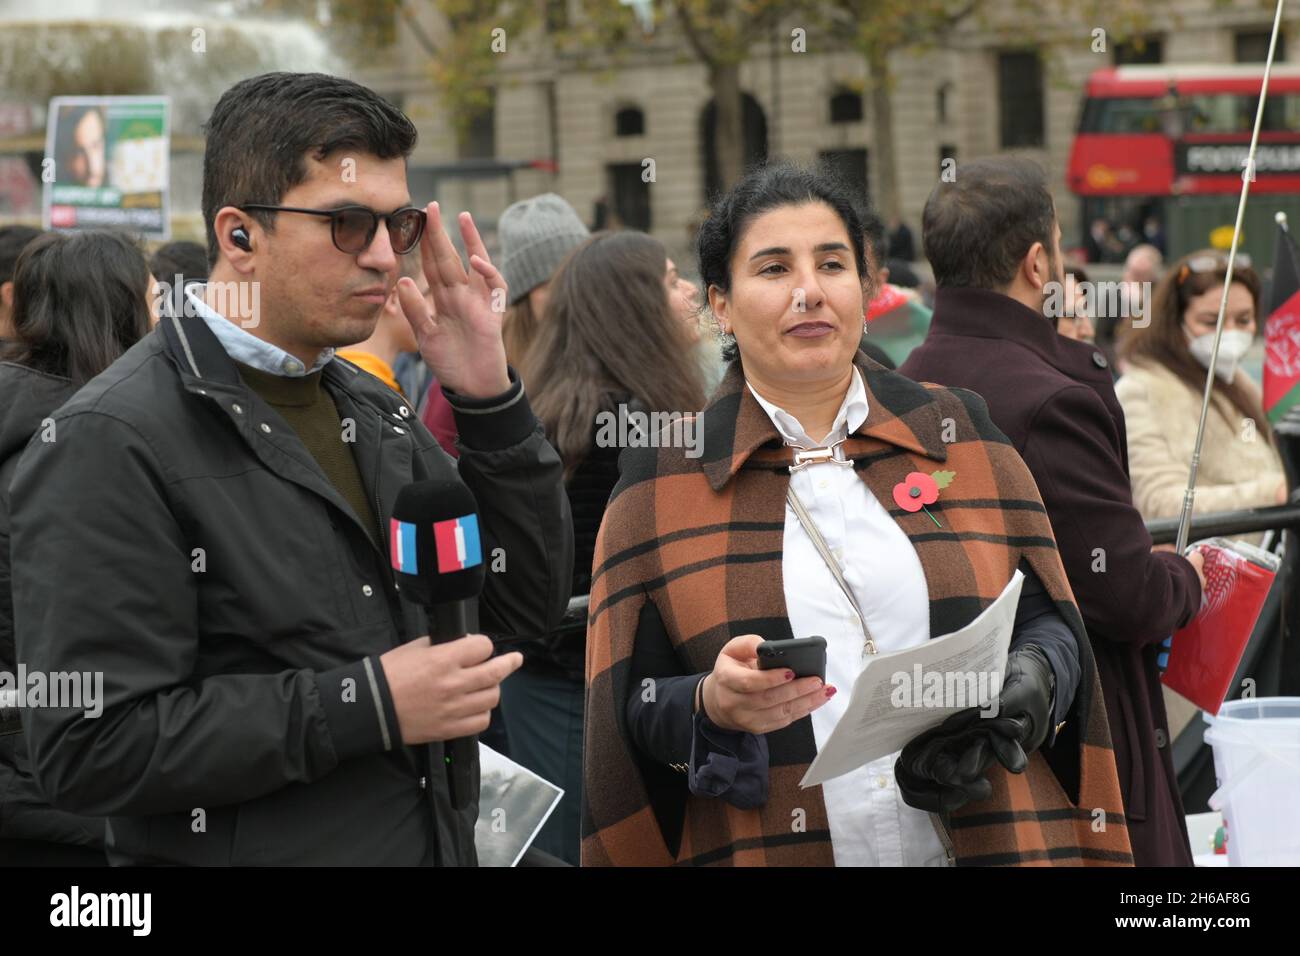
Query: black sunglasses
[353, 228]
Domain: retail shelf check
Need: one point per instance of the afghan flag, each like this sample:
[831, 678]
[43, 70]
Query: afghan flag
[1282, 331]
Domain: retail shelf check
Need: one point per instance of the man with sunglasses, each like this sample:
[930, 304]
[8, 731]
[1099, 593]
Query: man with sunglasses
[210, 528]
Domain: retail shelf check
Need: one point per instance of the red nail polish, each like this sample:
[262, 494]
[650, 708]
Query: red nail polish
[830, 692]
[789, 675]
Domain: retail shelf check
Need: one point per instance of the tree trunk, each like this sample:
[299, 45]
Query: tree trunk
[885, 188]
[729, 133]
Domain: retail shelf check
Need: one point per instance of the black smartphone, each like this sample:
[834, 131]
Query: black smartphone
[806, 656]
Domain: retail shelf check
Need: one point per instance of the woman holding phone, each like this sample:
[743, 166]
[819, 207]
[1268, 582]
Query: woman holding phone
[831, 497]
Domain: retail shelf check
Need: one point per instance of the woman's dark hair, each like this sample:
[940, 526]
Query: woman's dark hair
[1164, 342]
[13, 240]
[80, 301]
[977, 227]
[609, 336]
[262, 129]
[770, 187]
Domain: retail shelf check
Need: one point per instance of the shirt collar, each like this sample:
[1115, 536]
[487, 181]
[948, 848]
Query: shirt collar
[852, 413]
[248, 349]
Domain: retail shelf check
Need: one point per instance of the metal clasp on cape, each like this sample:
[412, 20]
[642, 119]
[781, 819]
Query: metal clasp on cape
[803, 457]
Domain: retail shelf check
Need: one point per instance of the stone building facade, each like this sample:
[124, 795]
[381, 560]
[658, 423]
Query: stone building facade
[978, 95]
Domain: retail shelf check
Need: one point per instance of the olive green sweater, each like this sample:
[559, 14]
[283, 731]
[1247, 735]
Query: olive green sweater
[310, 411]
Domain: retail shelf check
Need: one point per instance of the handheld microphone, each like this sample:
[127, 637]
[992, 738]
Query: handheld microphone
[436, 553]
[437, 558]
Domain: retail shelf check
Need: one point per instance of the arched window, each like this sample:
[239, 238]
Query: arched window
[846, 107]
[629, 121]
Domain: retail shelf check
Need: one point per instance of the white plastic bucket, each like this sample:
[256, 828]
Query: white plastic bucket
[1256, 745]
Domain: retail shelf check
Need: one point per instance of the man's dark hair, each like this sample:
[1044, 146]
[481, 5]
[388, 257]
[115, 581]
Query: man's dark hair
[189, 260]
[262, 129]
[13, 239]
[976, 230]
[81, 299]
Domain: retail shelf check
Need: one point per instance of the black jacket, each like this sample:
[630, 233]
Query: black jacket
[564, 652]
[179, 538]
[27, 399]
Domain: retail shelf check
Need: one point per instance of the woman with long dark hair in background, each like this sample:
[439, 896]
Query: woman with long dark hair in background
[80, 301]
[611, 349]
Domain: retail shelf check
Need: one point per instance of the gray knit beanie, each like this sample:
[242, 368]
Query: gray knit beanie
[534, 236]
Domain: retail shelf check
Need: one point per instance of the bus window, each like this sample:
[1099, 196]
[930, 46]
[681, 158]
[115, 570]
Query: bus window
[1213, 113]
[1121, 115]
[1281, 111]
[1228, 113]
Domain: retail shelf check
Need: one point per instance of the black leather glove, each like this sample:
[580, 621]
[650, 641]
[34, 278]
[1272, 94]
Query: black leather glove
[944, 768]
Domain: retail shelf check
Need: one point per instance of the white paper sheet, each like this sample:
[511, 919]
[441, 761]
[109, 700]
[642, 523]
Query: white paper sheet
[894, 698]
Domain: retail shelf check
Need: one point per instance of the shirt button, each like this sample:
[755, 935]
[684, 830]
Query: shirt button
[1099, 360]
[404, 412]
[400, 431]
[882, 782]
[424, 783]
[292, 366]
[237, 408]
[367, 590]
[266, 428]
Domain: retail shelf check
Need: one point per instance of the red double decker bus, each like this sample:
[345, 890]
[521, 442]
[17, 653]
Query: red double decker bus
[1170, 143]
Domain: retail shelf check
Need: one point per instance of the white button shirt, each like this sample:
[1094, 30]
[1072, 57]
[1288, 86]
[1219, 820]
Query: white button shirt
[869, 822]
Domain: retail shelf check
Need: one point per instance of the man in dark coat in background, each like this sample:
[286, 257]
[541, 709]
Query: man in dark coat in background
[993, 240]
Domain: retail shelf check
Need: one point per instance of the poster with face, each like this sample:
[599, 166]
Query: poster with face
[106, 164]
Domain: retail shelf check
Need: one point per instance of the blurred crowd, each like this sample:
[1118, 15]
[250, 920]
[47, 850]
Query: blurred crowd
[598, 321]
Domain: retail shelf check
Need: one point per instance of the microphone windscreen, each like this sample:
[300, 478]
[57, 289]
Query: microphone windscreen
[434, 542]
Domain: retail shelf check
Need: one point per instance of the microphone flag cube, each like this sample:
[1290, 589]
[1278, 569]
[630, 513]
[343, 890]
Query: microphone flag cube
[402, 552]
[457, 543]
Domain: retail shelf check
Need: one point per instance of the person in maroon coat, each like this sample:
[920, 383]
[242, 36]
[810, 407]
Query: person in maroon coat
[993, 240]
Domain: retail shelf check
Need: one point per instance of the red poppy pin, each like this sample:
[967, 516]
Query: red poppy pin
[918, 489]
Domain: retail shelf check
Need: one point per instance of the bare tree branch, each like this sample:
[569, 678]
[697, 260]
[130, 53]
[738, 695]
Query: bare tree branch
[417, 31]
[693, 36]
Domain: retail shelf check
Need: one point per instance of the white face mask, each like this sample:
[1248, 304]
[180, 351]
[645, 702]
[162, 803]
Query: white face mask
[1232, 348]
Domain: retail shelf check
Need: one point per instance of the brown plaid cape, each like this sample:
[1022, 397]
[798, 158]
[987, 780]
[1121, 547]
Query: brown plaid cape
[701, 538]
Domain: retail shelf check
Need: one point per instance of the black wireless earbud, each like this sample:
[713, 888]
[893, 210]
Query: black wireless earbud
[239, 236]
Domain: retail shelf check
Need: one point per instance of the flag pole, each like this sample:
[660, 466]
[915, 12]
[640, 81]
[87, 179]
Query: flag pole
[1248, 174]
